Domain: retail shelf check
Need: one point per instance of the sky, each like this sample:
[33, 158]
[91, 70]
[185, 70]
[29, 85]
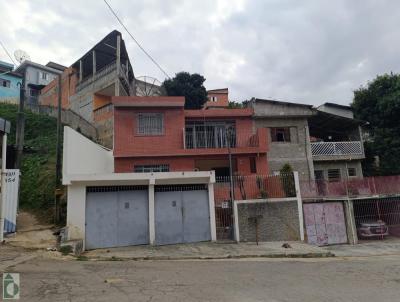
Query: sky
[299, 51]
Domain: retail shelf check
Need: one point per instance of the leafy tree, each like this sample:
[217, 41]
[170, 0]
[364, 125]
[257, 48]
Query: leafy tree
[379, 104]
[287, 179]
[188, 85]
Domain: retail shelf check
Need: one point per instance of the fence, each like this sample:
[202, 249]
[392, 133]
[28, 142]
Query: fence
[254, 187]
[219, 138]
[367, 186]
[336, 148]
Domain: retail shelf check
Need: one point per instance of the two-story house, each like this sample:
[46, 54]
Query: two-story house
[323, 143]
[10, 82]
[156, 134]
[37, 76]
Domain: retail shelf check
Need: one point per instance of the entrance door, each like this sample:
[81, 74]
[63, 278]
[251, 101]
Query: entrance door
[325, 223]
[182, 214]
[116, 216]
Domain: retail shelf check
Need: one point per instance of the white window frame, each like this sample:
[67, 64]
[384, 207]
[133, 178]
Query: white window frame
[153, 126]
[151, 168]
[44, 75]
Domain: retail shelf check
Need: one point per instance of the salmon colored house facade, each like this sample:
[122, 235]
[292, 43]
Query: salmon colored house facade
[156, 134]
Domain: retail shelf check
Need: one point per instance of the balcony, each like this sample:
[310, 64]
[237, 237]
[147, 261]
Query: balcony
[337, 150]
[219, 139]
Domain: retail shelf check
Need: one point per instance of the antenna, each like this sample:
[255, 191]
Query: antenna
[21, 55]
[148, 86]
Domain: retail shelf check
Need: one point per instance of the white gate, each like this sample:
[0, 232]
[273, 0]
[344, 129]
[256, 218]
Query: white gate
[11, 200]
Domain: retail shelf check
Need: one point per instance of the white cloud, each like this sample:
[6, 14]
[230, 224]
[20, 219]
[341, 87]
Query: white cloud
[307, 51]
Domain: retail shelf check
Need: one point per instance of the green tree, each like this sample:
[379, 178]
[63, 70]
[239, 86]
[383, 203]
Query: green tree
[287, 179]
[379, 104]
[188, 85]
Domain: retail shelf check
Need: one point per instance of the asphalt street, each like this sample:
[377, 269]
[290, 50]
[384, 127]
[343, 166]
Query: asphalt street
[373, 278]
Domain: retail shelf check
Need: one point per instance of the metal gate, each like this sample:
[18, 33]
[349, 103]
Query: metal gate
[116, 216]
[224, 220]
[377, 218]
[325, 223]
[182, 214]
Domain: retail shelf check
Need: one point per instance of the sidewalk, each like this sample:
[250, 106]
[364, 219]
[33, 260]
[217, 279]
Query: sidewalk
[366, 248]
[209, 250]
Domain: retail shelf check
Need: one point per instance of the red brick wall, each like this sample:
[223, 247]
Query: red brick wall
[128, 143]
[124, 165]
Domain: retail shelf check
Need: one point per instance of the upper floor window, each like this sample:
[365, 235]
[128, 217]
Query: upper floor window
[44, 76]
[213, 99]
[150, 124]
[352, 172]
[151, 168]
[280, 134]
[333, 175]
[5, 83]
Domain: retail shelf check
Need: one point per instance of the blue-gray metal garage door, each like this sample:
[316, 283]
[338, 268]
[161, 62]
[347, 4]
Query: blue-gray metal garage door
[116, 216]
[182, 214]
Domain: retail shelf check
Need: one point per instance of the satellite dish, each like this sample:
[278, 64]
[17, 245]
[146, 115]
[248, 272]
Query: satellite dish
[21, 55]
[148, 86]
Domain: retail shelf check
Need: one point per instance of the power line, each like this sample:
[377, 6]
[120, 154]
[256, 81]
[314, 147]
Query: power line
[133, 38]
[8, 54]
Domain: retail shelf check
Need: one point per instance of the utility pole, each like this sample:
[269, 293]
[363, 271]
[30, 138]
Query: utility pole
[20, 127]
[58, 154]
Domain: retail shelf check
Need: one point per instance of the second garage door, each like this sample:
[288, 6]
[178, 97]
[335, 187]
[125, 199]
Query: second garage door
[116, 216]
[182, 214]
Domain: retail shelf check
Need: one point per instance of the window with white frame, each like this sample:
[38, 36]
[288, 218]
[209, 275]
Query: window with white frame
[151, 168]
[213, 99]
[44, 76]
[150, 124]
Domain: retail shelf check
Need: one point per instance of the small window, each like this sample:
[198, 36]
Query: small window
[151, 168]
[45, 76]
[5, 83]
[280, 134]
[253, 166]
[213, 99]
[150, 124]
[352, 172]
[333, 175]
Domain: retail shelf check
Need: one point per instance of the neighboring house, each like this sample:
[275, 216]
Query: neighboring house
[217, 98]
[36, 77]
[288, 134]
[323, 143]
[336, 143]
[104, 71]
[156, 134]
[10, 82]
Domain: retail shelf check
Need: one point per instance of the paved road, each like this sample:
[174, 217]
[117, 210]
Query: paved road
[340, 279]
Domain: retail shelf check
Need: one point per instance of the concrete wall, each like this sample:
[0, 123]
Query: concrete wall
[278, 221]
[82, 156]
[342, 165]
[280, 109]
[297, 152]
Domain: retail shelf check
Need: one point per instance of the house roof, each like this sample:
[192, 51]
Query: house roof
[219, 91]
[56, 66]
[21, 68]
[149, 101]
[336, 105]
[105, 54]
[323, 120]
[281, 103]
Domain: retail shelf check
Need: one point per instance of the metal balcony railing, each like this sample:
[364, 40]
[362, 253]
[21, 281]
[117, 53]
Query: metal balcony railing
[336, 148]
[219, 139]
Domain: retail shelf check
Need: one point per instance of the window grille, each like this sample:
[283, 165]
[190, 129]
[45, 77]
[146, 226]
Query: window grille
[150, 124]
[151, 168]
[333, 175]
[280, 134]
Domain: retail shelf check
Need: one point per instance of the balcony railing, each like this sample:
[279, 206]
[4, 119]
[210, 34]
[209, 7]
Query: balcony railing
[219, 139]
[336, 148]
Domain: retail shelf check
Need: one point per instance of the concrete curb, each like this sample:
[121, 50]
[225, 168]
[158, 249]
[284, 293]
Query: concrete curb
[210, 257]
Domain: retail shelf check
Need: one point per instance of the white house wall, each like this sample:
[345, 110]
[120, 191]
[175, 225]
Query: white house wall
[82, 156]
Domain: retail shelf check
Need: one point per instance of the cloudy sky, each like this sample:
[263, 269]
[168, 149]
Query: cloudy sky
[300, 51]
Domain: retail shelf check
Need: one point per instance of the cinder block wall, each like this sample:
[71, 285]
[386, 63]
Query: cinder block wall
[279, 221]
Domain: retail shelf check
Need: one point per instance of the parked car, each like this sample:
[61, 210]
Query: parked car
[370, 229]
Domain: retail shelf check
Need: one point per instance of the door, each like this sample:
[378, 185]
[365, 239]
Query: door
[116, 216]
[182, 214]
[325, 223]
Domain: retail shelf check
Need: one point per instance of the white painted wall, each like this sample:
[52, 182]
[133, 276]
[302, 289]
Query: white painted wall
[76, 208]
[82, 156]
